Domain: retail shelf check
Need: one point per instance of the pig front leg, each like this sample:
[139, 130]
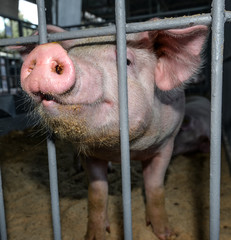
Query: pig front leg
[154, 170]
[97, 199]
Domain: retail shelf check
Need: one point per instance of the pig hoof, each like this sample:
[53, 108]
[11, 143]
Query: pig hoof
[108, 229]
[163, 233]
[95, 236]
[158, 219]
[167, 235]
[97, 233]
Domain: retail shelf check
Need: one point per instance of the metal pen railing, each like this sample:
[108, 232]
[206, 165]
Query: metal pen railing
[217, 18]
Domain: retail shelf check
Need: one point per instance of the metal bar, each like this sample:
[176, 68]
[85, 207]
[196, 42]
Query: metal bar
[167, 23]
[18, 41]
[50, 142]
[3, 233]
[218, 20]
[123, 112]
[54, 189]
[42, 26]
[7, 74]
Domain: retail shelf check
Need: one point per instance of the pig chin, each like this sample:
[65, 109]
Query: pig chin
[87, 137]
[72, 123]
[78, 131]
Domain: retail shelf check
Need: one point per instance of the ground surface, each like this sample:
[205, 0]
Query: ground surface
[27, 197]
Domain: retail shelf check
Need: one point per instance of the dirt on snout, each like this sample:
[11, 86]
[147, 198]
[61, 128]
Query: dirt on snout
[27, 196]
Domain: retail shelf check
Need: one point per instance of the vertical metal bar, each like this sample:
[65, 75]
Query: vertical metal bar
[20, 28]
[50, 142]
[42, 27]
[3, 233]
[124, 126]
[218, 19]
[7, 74]
[54, 189]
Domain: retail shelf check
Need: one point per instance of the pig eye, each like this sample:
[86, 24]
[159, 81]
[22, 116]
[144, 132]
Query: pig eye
[128, 62]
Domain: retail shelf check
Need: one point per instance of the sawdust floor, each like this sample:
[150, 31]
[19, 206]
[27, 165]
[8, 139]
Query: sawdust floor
[27, 197]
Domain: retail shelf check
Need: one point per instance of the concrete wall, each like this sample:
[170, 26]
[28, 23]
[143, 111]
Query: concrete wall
[9, 8]
[69, 12]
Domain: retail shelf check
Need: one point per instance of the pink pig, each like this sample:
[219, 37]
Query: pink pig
[194, 134]
[74, 87]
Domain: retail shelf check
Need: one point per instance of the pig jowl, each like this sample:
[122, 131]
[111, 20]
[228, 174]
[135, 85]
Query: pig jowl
[74, 87]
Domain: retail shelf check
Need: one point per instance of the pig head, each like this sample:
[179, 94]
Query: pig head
[74, 87]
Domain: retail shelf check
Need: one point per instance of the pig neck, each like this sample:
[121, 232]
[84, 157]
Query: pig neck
[168, 111]
[165, 125]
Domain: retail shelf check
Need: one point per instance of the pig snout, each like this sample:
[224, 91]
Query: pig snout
[47, 71]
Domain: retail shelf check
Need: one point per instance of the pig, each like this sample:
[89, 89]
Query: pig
[74, 87]
[194, 134]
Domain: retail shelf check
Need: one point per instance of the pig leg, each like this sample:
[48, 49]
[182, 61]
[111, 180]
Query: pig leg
[154, 171]
[97, 199]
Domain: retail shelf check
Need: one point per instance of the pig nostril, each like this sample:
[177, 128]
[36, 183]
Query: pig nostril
[32, 65]
[59, 69]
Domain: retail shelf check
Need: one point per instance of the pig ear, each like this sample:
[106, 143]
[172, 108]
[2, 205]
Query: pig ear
[25, 50]
[178, 54]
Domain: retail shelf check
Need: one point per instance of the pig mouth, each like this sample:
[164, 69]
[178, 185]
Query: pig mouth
[45, 98]
[40, 97]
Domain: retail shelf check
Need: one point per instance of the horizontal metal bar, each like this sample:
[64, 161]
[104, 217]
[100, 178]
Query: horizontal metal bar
[169, 23]
[166, 23]
[18, 41]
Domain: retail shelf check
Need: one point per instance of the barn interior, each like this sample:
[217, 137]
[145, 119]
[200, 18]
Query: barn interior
[23, 157]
